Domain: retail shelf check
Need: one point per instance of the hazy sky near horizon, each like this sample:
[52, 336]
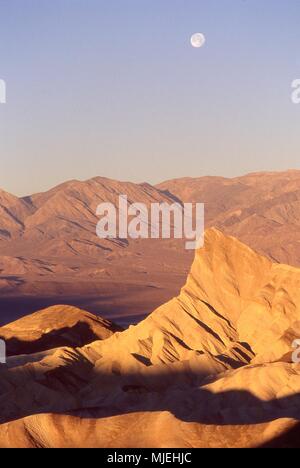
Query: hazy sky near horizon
[114, 88]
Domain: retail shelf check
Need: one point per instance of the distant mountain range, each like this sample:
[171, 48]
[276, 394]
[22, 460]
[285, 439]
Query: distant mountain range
[49, 251]
[261, 209]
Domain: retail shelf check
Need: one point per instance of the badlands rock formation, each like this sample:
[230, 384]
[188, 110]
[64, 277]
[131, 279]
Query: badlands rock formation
[50, 254]
[55, 327]
[211, 368]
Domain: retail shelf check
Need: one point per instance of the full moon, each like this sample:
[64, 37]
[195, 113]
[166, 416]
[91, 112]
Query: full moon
[198, 40]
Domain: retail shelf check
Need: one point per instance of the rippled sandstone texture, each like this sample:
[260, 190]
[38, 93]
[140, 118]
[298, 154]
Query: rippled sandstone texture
[211, 368]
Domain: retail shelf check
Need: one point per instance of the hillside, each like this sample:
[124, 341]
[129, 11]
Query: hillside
[212, 367]
[50, 254]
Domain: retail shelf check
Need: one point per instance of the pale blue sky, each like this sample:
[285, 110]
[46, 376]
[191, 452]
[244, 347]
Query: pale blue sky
[113, 88]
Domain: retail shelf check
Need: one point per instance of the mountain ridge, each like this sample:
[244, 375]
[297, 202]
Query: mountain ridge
[49, 248]
[212, 367]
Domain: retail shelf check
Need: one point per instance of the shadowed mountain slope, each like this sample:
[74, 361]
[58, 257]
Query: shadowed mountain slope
[261, 209]
[50, 254]
[55, 327]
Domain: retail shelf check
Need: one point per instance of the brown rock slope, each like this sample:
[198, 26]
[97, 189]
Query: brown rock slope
[13, 212]
[211, 368]
[49, 251]
[55, 327]
[260, 209]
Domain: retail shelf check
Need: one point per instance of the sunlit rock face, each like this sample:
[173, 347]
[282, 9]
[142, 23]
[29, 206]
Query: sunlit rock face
[211, 368]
